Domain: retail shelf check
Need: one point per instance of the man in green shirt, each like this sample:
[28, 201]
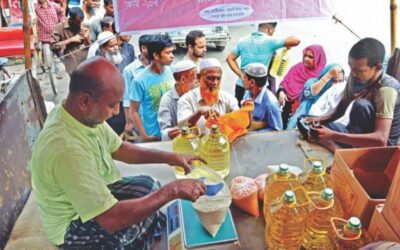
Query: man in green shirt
[83, 200]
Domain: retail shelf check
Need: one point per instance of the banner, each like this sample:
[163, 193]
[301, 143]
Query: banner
[162, 15]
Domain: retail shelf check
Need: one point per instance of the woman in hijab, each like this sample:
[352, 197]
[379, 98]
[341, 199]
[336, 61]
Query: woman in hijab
[314, 89]
[314, 61]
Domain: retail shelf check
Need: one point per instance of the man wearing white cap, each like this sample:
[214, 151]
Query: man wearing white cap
[102, 38]
[185, 76]
[110, 50]
[267, 112]
[208, 99]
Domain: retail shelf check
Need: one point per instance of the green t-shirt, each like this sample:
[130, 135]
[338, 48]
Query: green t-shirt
[71, 168]
[385, 101]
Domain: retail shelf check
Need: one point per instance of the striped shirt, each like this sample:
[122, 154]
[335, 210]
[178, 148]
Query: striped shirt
[47, 18]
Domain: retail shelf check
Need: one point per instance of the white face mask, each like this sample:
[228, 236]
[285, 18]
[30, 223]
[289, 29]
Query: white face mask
[115, 58]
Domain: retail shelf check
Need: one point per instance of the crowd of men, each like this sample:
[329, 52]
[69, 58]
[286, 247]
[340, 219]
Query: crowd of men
[86, 204]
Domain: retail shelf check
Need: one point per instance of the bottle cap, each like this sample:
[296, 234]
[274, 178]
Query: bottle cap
[354, 224]
[327, 194]
[317, 167]
[289, 196]
[185, 130]
[283, 168]
[214, 128]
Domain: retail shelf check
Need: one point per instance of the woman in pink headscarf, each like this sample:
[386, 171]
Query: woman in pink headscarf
[314, 61]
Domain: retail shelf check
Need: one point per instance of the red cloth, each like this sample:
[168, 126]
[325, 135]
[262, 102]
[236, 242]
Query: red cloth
[47, 19]
[12, 41]
[295, 105]
[297, 76]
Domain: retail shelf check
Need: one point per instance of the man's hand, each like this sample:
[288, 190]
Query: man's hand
[207, 112]
[128, 127]
[84, 33]
[174, 132]
[320, 133]
[282, 98]
[188, 189]
[74, 39]
[245, 102]
[184, 161]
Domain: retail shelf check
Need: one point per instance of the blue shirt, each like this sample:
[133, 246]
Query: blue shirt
[256, 47]
[130, 72]
[147, 89]
[128, 55]
[266, 108]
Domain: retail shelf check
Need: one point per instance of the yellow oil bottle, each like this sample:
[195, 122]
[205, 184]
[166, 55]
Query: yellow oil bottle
[280, 64]
[275, 186]
[318, 225]
[185, 143]
[215, 149]
[316, 179]
[347, 234]
[287, 224]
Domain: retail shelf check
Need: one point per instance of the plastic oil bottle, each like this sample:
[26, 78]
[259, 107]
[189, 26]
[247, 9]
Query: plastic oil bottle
[185, 143]
[316, 179]
[280, 64]
[215, 149]
[347, 234]
[318, 225]
[275, 186]
[287, 224]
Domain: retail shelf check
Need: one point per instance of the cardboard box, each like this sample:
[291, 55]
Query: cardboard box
[379, 228]
[362, 178]
[391, 211]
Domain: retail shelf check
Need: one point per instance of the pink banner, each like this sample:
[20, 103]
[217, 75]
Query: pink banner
[141, 15]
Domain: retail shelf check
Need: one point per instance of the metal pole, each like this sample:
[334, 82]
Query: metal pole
[337, 20]
[26, 31]
[393, 24]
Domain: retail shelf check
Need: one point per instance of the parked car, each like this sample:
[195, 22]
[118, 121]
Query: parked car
[215, 36]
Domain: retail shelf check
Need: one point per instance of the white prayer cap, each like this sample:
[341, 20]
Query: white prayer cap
[183, 66]
[104, 37]
[209, 63]
[256, 70]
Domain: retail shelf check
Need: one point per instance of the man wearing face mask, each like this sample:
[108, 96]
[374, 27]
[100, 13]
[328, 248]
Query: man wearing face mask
[206, 100]
[68, 37]
[375, 110]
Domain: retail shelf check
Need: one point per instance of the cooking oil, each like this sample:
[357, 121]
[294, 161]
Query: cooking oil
[318, 223]
[316, 179]
[280, 64]
[287, 225]
[185, 143]
[347, 234]
[275, 186]
[215, 149]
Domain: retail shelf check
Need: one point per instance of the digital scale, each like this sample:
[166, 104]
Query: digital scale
[186, 232]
